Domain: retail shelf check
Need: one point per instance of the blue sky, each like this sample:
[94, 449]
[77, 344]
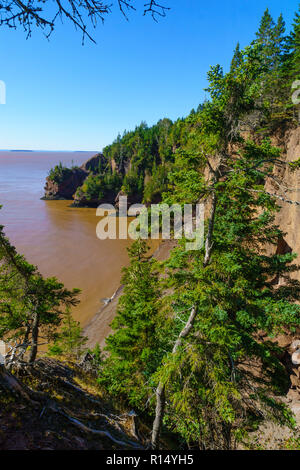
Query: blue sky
[65, 96]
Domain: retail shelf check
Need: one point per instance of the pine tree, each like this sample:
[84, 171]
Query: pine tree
[294, 44]
[70, 340]
[237, 59]
[219, 307]
[29, 303]
[134, 347]
[271, 40]
[265, 37]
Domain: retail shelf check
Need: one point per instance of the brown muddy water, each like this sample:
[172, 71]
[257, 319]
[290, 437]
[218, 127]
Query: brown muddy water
[59, 239]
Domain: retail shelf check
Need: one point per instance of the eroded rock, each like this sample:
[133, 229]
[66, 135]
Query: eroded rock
[295, 345]
[66, 188]
[296, 357]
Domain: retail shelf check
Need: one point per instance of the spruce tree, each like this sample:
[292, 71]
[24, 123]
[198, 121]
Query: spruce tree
[210, 380]
[237, 59]
[70, 340]
[29, 303]
[294, 43]
[265, 36]
[134, 347]
[271, 40]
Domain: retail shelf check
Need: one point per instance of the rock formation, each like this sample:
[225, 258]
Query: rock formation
[66, 188]
[94, 163]
[289, 216]
[131, 199]
[80, 199]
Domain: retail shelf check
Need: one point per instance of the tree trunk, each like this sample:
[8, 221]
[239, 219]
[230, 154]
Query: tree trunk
[25, 343]
[209, 236]
[160, 391]
[159, 414]
[34, 338]
[11, 384]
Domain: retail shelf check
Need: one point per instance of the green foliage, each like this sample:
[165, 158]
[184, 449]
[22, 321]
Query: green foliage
[97, 356]
[293, 443]
[213, 391]
[157, 183]
[133, 183]
[97, 187]
[212, 388]
[28, 302]
[70, 340]
[59, 173]
[135, 346]
[293, 50]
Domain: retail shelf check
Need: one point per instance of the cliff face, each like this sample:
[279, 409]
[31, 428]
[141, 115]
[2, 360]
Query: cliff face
[80, 199]
[289, 216]
[68, 184]
[66, 188]
[94, 163]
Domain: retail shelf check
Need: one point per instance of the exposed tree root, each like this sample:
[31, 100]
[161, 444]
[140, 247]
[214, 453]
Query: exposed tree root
[10, 384]
[58, 377]
[98, 432]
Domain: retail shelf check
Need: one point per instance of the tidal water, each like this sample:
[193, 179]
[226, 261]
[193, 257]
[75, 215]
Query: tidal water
[59, 239]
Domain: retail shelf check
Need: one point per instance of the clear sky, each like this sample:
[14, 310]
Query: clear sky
[65, 96]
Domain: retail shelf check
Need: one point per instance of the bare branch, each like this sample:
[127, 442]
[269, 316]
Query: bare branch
[31, 14]
[155, 9]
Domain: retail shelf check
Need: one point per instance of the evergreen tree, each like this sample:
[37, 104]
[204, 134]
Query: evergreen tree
[294, 48]
[134, 347]
[237, 59]
[70, 340]
[265, 37]
[272, 40]
[279, 36]
[28, 302]
[209, 381]
[271, 37]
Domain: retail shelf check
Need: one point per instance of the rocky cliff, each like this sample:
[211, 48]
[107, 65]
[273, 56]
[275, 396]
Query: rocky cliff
[66, 186]
[286, 184]
[80, 199]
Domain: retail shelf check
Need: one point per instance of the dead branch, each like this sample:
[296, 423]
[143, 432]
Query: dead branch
[31, 14]
[89, 430]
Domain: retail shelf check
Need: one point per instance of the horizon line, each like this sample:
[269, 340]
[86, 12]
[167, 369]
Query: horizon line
[45, 150]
